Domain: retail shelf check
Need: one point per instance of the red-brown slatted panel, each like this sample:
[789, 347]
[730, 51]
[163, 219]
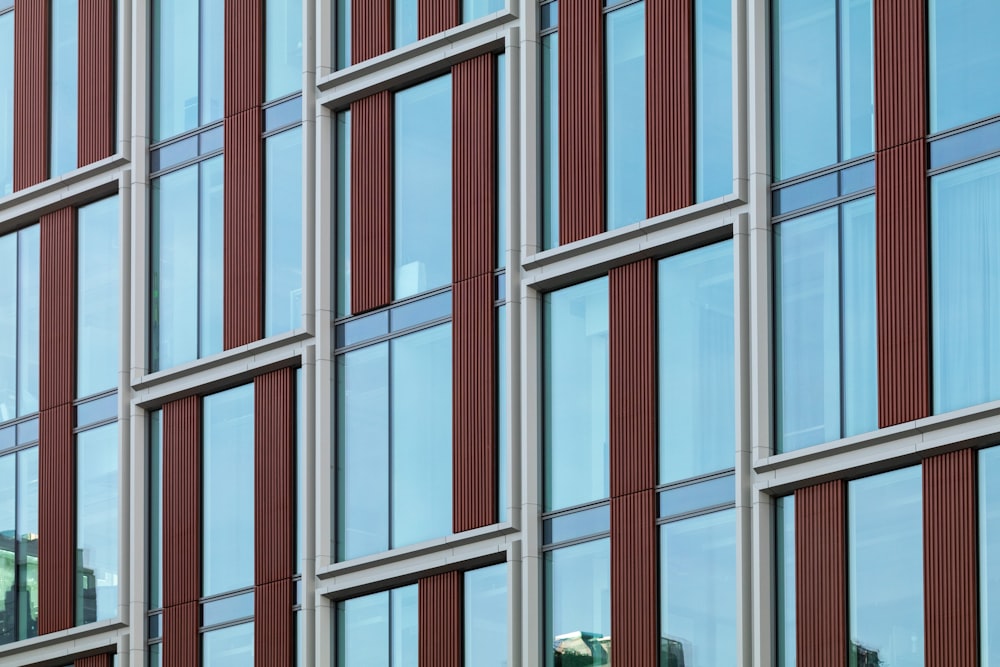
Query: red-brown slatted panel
[371, 202]
[56, 552]
[180, 635]
[473, 167]
[96, 69]
[634, 590]
[440, 620]
[669, 104]
[902, 276]
[820, 576]
[632, 342]
[434, 16]
[274, 475]
[371, 29]
[57, 320]
[102, 660]
[581, 120]
[950, 586]
[31, 92]
[181, 504]
[244, 57]
[474, 446]
[273, 638]
[900, 72]
[243, 212]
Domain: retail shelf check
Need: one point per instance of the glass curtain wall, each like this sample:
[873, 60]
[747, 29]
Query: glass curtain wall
[484, 616]
[6, 101]
[404, 27]
[19, 545]
[63, 73]
[20, 256]
[97, 285]
[785, 536]
[475, 9]
[283, 232]
[97, 524]
[282, 48]
[379, 630]
[713, 98]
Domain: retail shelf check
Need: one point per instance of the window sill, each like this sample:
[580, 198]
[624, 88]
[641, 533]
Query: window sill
[75, 641]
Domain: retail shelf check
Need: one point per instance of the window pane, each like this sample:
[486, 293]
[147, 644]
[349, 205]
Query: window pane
[343, 30]
[860, 345]
[155, 509]
[343, 241]
[63, 81]
[549, 147]
[283, 35]
[363, 631]
[785, 533]
[989, 555]
[698, 591]
[885, 566]
[502, 462]
[421, 436]
[6, 104]
[422, 229]
[405, 628]
[857, 79]
[8, 542]
[228, 647]
[210, 282]
[713, 96]
[485, 617]
[227, 491]
[626, 115]
[97, 524]
[696, 357]
[404, 26]
[211, 66]
[474, 9]
[965, 277]
[283, 232]
[578, 605]
[962, 54]
[97, 256]
[28, 283]
[27, 543]
[175, 67]
[8, 326]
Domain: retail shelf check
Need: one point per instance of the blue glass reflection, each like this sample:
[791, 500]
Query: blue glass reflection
[8, 527]
[625, 107]
[8, 326]
[362, 328]
[173, 153]
[27, 431]
[968, 144]
[342, 25]
[97, 410]
[97, 524]
[283, 232]
[210, 265]
[174, 67]
[97, 280]
[6, 103]
[578, 604]
[227, 609]
[28, 316]
[989, 554]
[423, 310]
[815, 190]
[211, 56]
[575, 525]
[698, 496]
[550, 16]
[549, 145]
[859, 319]
[713, 96]
[785, 535]
[363, 631]
[857, 178]
[405, 629]
[63, 81]
[857, 79]
[228, 647]
[212, 140]
[475, 9]
[485, 616]
[404, 22]
[27, 543]
[503, 465]
[280, 115]
[282, 48]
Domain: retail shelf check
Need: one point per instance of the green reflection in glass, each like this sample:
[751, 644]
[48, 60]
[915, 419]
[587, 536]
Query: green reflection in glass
[578, 605]
[97, 524]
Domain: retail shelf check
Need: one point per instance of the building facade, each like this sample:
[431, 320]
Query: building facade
[367, 333]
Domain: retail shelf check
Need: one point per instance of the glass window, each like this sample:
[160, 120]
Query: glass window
[227, 491]
[475, 9]
[625, 67]
[575, 360]
[187, 264]
[404, 22]
[63, 81]
[824, 109]
[962, 54]
[283, 232]
[485, 617]
[343, 213]
[283, 48]
[989, 555]
[826, 348]
[578, 605]
[696, 359]
[228, 647]
[379, 630]
[155, 509]
[785, 533]
[713, 98]
[885, 568]
[342, 21]
[422, 220]
[965, 276]
[549, 145]
[97, 524]
[502, 449]
[19, 321]
[97, 324]
[19, 545]
[698, 591]
[6, 103]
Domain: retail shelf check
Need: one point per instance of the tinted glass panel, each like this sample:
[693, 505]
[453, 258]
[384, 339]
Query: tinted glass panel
[363, 631]
[503, 465]
[8, 542]
[549, 147]
[175, 67]
[286, 113]
[342, 21]
[227, 609]
[625, 105]
[211, 40]
[97, 524]
[485, 617]
[28, 291]
[210, 231]
[965, 145]
[578, 605]
[405, 629]
[343, 213]
[713, 96]
[6, 103]
[857, 79]
[474, 9]
[228, 647]
[97, 410]
[8, 325]
[173, 153]
[859, 319]
[405, 22]
[697, 496]
[857, 178]
[573, 526]
[785, 535]
[283, 232]
[27, 543]
[362, 329]
[807, 193]
[97, 288]
[989, 555]
[212, 140]
[63, 85]
[282, 48]
[27, 431]
[418, 312]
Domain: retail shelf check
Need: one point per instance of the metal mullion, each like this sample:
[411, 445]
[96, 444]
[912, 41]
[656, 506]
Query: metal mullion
[197, 299]
[390, 441]
[838, 37]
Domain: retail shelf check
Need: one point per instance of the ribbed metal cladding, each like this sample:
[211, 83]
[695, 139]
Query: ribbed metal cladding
[31, 92]
[951, 603]
[634, 589]
[244, 58]
[632, 349]
[243, 214]
[371, 202]
[669, 106]
[102, 660]
[273, 638]
[581, 121]
[821, 575]
[57, 313]
[180, 635]
[474, 445]
[902, 278]
[440, 620]
[474, 196]
[96, 68]
[371, 29]
[181, 502]
[900, 72]
[434, 16]
[56, 551]
[274, 475]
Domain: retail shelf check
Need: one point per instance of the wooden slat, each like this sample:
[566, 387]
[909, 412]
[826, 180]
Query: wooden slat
[56, 495]
[181, 502]
[96, 73]
[274, 476]
[440, 620]
[634, 591]
[31, 92]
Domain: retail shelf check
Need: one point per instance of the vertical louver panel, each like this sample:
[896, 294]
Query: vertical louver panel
[474, 471]
[440, 620]
[244, 56]
[181, 503]
[950, 559]
[102, 660]
[632, 343]
[31, 92]
[634, 591]
[900, 72]
[434, 16]
[274, 475]
[56, 553]
[243, 213]
[96, 67]
[371, 202]
[669, 107]
[371, 29]
[902, 279]
[180, 635]
[272, 632]
[57, 320]
[581, 121]
[820, 576]
[474, 167]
